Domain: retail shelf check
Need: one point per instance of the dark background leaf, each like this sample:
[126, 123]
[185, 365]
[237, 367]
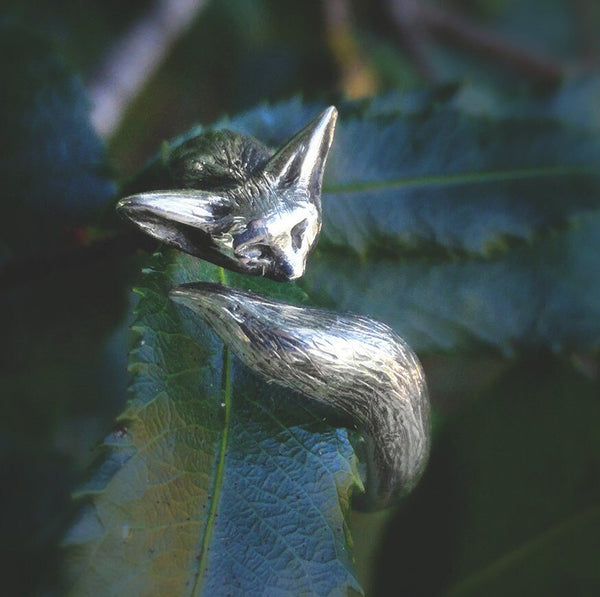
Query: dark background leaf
[448, 183]
[509, 502]
[574, 103]
[53, 170]
[63, 317]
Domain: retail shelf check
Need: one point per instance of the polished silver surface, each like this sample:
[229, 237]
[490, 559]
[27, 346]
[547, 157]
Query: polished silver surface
[359, 367]
[238, 206]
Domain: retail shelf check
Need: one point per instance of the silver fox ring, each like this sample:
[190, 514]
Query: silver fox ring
[355, 365]
[237, 205]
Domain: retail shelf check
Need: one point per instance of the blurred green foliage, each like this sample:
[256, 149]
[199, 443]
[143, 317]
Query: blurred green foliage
[509, 503]
[54, 170]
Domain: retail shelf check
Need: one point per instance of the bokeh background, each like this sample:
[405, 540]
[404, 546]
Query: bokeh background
[509, 504]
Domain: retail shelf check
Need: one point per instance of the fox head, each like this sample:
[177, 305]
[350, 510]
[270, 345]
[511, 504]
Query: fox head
[238, 205]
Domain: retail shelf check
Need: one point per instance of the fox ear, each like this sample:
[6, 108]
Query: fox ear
[206, 211]
[190, 220]
[301, 161]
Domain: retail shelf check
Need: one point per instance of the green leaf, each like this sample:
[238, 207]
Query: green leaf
[53, 170]
[509, 504]
[216, 481]
[416, 179]
[532, 297]
[449, 182]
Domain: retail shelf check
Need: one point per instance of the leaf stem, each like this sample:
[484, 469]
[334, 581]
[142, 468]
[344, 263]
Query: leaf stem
[417, 21]
[220, 470]
[135, 57]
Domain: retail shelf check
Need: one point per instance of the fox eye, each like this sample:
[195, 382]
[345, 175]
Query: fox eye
[235, 202]
[258, 252]
[297, 232]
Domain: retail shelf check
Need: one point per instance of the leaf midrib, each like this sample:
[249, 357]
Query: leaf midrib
[461, 178]
[220, 468]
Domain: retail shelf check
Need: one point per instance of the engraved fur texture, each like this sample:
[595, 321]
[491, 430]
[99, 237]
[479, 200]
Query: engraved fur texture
[238, 205]
[359, 367]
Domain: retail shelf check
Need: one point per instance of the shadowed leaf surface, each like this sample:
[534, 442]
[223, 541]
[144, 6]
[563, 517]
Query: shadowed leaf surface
[511, 494]
[217, 481]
